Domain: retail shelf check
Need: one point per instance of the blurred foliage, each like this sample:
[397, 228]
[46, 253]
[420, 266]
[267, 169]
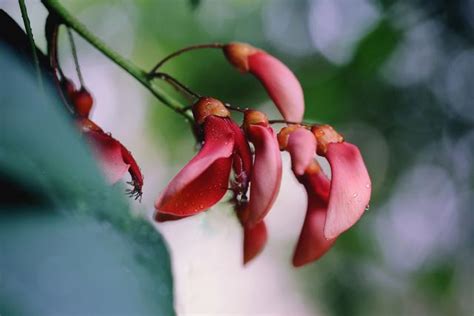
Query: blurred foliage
[68, 242]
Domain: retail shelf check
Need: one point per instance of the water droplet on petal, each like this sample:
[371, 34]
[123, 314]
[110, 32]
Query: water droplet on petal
[355, 195]
[367, 185]
[367, 207]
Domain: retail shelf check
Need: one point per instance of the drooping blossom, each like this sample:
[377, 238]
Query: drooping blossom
[281, 84]
[204, 180]
[350, 182]
[265, 179]
[301, 145]
[114, 158]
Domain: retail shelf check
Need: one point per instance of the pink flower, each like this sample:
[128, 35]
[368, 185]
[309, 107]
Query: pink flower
[265, 179]
[113, 158]
[301, 145]
[281, 84]
[204, 180]
[350, 182]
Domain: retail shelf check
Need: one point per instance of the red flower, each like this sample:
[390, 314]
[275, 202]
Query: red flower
[281, 84]
[266, 176]
[350, 181]
[114, 159]
[301, 145]
[333, 206]
[204, 180]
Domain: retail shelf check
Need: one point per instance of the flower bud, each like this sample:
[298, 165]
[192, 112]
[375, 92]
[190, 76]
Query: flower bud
[281, 84]
[68, 87]
[82, 101]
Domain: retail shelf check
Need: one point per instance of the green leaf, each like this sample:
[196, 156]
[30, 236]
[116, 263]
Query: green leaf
[55, 263]
[77, 250]
[376, 47]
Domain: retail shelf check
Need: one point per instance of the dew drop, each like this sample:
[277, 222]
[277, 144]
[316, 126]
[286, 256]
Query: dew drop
[367, 185]
[355, 195]
[367, 207]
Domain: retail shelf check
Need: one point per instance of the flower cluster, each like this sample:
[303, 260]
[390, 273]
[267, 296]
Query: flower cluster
[242, 159]
[226, 162]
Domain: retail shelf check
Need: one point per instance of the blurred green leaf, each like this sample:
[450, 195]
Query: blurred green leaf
[78, 250]
[375, 48]
[55, 263]
[195, 3]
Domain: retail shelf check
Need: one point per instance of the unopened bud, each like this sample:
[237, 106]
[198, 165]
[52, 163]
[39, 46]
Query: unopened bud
[82, 101]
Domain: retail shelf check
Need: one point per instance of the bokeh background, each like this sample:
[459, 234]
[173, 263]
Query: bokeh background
[395, 77]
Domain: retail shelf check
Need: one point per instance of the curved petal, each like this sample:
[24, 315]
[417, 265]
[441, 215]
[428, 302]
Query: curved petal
[108, 151]
[301, 146]
[242, 159]
[350, 188]
[266, 174]
[281, 84]
[135, 173]
[255, 239]
[311, 243]
[203, 181]
[163, 217]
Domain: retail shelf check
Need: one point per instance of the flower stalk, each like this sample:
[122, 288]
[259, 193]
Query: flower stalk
[67, 18]
[29, 33]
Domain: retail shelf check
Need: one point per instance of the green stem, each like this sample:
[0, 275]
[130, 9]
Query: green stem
[26, 21]
[55, 7]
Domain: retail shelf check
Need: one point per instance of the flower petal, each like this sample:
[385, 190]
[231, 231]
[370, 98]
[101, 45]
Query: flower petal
[301, 146]
[266, 174]
[135, 173]
[204, 180]
[311, 243]
[281, 84]
[350, 188]
[242, 159]
[109, 155]
[255, 239]
[163, 217]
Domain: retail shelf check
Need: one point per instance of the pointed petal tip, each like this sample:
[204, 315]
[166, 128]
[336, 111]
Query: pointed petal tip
[255, 239]
[350, 188]
[312, 244]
